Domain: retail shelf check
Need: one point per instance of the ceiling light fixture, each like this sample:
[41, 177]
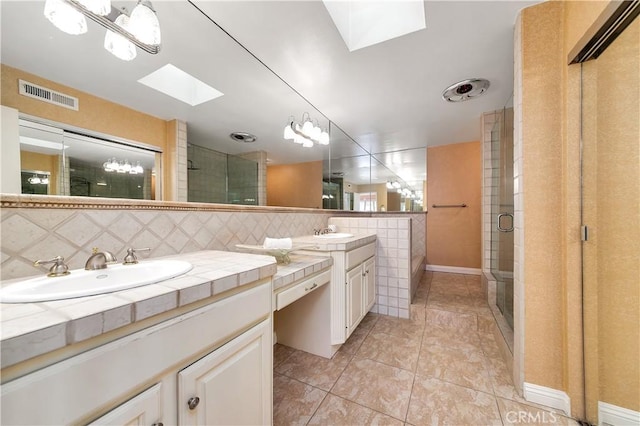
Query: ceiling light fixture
[141, 29]
[307, 133]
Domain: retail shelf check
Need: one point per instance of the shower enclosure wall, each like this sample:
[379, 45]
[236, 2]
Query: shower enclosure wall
[216, 177]
[498, 217]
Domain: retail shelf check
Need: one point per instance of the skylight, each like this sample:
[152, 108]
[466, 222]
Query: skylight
[180, 85]
[365, 23]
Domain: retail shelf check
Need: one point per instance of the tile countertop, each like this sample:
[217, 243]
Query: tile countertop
[32, 329]
[335, 244]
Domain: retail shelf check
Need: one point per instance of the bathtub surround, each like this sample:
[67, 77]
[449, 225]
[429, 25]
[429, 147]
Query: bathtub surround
[37, 227]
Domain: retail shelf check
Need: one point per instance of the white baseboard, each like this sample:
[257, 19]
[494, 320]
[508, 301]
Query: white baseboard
[547, 396]
[454, 269]
[609, 414]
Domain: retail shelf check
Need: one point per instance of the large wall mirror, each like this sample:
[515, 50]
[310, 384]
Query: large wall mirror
[113, 106]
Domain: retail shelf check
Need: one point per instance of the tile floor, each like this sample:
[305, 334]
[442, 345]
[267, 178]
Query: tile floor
[441, 367]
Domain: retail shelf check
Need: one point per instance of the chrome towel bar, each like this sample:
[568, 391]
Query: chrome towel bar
[443, 206]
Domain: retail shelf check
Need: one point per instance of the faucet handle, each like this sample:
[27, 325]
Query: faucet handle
[130, 258]
[58, 269]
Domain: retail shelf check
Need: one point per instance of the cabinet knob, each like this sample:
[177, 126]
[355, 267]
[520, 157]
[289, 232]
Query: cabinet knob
[158, 424]
[193, 402]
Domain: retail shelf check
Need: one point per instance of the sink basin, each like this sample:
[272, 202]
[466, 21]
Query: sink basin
[334, 235]
[89, 283]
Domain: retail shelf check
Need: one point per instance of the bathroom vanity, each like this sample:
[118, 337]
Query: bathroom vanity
[196, 349]
[323, 320]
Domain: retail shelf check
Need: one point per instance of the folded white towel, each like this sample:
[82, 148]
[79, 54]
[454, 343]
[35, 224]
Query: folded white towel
[277, 243]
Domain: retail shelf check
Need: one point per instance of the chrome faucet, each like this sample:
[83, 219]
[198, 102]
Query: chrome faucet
[99, 260]
[321, 231]
[58, 269]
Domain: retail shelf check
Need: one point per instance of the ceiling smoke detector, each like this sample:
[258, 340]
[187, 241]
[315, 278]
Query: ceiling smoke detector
[243, 137]
[465, 90]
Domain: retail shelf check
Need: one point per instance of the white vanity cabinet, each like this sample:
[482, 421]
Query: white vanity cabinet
[230, 386]
[220, 353]
[361, 293]
[141, 410]
[353, 289]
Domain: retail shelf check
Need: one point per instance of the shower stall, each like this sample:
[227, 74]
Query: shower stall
[502, 220]
[499, 217]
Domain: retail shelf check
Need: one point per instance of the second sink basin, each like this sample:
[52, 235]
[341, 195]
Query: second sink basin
[89, 283]
[334, 235]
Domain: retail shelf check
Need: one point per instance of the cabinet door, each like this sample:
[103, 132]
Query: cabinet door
[370, 284]
[232, 385]
[355, 298]
[141, 410]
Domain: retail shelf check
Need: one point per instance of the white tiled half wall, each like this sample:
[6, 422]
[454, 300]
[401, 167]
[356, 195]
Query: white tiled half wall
[393, 252]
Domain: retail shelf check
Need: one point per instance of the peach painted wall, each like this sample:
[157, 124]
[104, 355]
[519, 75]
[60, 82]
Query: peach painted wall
[454, 174]
[295, 185]
[95, 113]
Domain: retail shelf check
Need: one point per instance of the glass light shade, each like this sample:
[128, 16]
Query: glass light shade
[127, 166]
[44, 181]
[389, 185]
[316, 132]
[65, 17]
[396, 185]
[139, 168]
[288, 132]
[308, 143]
[298, 139]
[324, 138]
[34, 180]
[99, 7]
[143, 23]
[116, 44]
[307, 128]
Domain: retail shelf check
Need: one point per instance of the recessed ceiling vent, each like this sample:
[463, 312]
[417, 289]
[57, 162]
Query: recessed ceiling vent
[47, 95]
[243, 137]
[465, 90]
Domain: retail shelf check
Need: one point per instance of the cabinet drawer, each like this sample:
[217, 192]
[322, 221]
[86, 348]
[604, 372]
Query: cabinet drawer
[308, 285]
[359, 255]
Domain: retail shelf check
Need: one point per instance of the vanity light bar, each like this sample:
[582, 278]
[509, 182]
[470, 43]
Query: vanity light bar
[111, 25]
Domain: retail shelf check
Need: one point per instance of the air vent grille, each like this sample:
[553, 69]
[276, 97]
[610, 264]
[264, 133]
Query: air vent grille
[47, 95]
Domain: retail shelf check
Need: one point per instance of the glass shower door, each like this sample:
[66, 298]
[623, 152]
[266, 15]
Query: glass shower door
[502, 220]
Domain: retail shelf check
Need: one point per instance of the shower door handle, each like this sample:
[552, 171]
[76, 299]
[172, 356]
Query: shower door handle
[500, 228]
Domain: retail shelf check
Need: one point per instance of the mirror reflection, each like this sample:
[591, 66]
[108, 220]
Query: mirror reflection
[218, 167]
[54, 161]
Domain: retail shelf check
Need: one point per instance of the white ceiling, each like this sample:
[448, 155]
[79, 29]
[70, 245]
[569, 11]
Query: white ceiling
[387, 97]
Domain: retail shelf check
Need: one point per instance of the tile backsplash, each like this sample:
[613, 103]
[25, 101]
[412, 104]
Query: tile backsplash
[29, 234]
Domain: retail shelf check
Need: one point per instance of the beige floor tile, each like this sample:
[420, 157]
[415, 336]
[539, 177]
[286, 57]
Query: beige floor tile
[452, 319]
[354, 341]
[392, 350]
[445, 288]
[417, 313]
[294, 402]
[369, 321]
[464, 368]
[377, 386]
[399, 327]
[461, 339]
[338, 411]
[517, 413]
[489, 346]
[444, 277]
[434, 402]
[281, 353]
[314, 370]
